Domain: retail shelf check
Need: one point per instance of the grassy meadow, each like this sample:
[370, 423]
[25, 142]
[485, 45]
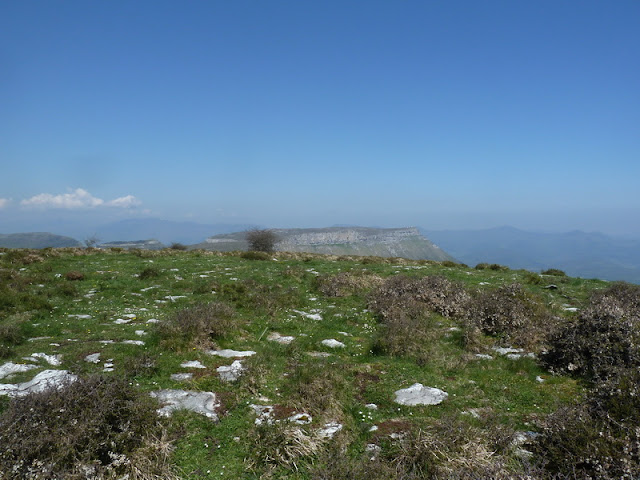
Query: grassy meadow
[400, 322]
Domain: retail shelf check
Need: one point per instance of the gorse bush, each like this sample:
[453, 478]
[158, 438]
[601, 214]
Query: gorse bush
[344, 284]
[555, 272]
[604, 337]
[149, 272]
[510, 313]
[197, 326]
[598, 438]
[90, 429]
[418, 295]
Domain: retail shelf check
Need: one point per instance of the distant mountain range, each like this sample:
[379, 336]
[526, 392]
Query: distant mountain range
[165, 231]
[36, 240]
[579, 254]
[382, 242]
[587, 255]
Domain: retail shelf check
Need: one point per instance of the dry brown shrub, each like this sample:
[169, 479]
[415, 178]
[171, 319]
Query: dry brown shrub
[94, 428]
[197, 326]
[411, 294]
[74, 275]
[348, 283]
[511, 314]
[604, 337]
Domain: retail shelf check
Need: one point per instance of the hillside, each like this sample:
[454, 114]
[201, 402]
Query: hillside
[36, 240]
[381, 242]
[306, 367]
[588, 255]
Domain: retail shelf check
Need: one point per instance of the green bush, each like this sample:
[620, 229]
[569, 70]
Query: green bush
[261, 240]
[177, 246]
[93, 428]
[603, 338]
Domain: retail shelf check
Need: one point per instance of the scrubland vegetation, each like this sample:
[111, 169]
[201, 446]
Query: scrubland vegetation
[541, 371]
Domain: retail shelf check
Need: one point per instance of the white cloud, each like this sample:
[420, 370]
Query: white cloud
[4, 202]
[124, 202]
[78, 198]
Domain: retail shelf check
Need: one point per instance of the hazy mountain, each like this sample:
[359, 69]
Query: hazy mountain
[383, 242]
[588, 255]
[165, 231]
[36, 240]
[151, 244]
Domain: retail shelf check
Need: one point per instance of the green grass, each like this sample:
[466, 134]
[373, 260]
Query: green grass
[266, 296]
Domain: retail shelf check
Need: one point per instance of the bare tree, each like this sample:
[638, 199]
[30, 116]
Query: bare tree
[261, 240]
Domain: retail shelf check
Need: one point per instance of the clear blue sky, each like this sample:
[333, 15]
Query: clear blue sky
[442, 114]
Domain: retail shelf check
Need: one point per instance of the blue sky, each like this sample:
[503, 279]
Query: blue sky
[456, 114]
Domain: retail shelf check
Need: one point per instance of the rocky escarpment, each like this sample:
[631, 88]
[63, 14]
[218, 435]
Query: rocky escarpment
[382, 242]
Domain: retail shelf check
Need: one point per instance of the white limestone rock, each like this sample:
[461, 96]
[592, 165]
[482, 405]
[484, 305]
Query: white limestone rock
[11, 368]
[228, 353]
[418, 394]
[332, 343]
[232, 372]
[204, 403]
[42, 381]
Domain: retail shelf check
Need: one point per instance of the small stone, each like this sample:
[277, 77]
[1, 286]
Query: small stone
[282, 339]
[93, 358]
[483, 356]
[53, 360]
[329, 430]
[121, 321]
[301, 418]
[227, 353]
[192, 364]
[204, 403]
[181, 377]
[232, 372]
[371, 406]
[332, 343]
[133, 342]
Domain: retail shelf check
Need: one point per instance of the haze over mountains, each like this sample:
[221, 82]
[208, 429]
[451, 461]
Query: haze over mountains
[587, 255]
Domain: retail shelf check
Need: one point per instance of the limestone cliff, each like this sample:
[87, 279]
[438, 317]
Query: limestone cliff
[382, 242]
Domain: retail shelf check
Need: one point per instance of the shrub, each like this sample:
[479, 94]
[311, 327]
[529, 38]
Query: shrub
[279, 445]
[318, 389]
[510, 313]
[603, 338]
[95, 427]
[262, 240]
[433, 293]
[197, 326]
[255, 255]
[347, 283]
[149, 272]
[554, 271]
[74, 275]
[599, 438]
[177, 246]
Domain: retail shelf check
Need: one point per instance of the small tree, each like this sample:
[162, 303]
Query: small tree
[92, 241]
[261, 240]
